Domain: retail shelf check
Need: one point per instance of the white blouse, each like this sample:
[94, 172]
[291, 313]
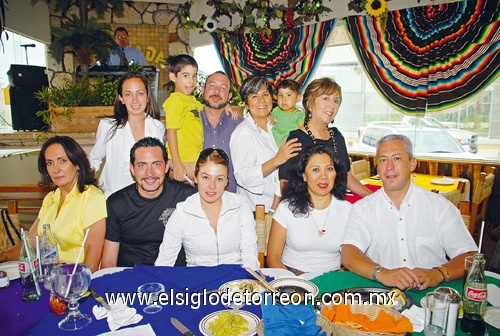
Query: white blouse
[251, 147]
[234, 241]
[116, 172]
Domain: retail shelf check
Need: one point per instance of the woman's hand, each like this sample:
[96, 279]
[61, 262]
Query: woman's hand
[287, 150]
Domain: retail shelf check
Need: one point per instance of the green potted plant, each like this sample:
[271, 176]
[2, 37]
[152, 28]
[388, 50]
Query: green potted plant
[82, 35]
[89, 99]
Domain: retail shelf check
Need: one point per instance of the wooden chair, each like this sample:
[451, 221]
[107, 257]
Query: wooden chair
[482, 191]
[453, 196]
[361, 169]
[263, 226]
[9, 230]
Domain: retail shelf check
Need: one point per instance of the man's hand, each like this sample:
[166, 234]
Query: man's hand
[428, 277]
[402, 278]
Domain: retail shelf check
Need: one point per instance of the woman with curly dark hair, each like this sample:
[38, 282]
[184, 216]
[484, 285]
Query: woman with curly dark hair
[310, 222]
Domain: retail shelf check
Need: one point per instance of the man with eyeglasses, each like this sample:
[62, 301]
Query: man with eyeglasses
[137, 214]
[127, 54]
[217, 124]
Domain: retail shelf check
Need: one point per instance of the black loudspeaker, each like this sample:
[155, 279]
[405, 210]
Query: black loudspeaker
[27, 75]
[24, 106]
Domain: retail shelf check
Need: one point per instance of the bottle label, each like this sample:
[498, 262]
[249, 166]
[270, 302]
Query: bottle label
[24, 267]
[49, 253]
[476, 294]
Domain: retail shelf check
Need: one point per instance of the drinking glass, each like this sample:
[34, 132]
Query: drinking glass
[151, 291]
[71, 287]
[436, 314]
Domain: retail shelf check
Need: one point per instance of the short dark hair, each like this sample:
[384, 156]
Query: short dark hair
[220, 73]
[289, 84]
[176, 63]
[252, 85]
[296, 190]
[120, 29]
[75, 154]
[148, 142]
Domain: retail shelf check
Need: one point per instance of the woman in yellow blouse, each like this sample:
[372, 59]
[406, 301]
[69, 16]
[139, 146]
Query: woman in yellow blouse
[75, 205]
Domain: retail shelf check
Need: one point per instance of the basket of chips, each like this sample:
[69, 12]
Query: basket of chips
[366, 320]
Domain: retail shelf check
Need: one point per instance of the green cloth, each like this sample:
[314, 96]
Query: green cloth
[335, 281]
[285, 123]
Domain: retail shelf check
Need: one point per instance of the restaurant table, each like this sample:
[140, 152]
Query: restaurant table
[425, 181]
[34, 318]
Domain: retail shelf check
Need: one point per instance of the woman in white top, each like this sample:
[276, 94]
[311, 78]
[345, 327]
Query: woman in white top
[310, 222]
[214, 226]
[254, 153]
[136, 115]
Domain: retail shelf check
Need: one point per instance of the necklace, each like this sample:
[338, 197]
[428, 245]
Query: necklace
[330, 130]
[321, 232]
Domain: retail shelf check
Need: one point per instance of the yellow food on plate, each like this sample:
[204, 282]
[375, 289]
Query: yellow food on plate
[228, 324]
[396, 295]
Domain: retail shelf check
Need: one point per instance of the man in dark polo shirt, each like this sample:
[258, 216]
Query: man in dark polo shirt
[137, 214]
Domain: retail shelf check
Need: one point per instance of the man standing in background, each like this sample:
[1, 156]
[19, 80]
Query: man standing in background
[126, 53]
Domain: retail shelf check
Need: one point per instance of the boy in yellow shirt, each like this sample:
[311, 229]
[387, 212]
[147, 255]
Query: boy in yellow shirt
[182, 117]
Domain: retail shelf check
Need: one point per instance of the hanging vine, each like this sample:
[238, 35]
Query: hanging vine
[256, 15]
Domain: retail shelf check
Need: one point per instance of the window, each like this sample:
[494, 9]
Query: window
[13, 53]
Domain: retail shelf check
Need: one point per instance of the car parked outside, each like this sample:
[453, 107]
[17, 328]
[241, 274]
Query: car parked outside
[427, 141]
[467, 139]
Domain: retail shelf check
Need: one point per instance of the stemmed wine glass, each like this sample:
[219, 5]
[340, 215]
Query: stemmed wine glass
[151, 291]
[71, 287]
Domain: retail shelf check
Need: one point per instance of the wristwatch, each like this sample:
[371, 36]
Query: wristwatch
[376, 271]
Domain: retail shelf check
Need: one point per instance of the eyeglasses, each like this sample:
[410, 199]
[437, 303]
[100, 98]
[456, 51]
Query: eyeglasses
[121, 37]
[208, 151]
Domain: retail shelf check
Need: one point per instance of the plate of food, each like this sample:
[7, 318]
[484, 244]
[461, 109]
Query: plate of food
[297, 290]
[391, 298]
[11, 268]
[443, 181]
[229, 323]
[251, 286]
[492, 316]
[234, 293]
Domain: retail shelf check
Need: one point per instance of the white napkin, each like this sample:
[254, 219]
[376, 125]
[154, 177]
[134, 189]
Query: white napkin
[142, 330]
[119, 316]
[416, 316]
[494, 295]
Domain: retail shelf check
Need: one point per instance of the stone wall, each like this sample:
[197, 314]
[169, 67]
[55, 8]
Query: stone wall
[154, 28]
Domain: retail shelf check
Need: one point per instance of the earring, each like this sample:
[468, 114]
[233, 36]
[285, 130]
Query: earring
[309, 115]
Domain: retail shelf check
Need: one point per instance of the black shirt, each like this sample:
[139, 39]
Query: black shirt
[307, 142]
[138, 223]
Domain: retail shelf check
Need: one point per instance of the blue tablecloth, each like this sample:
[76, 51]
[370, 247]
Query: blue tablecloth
[182, 280]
